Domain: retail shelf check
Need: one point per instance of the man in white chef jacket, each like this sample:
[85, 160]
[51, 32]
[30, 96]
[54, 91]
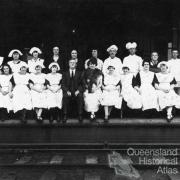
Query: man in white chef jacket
[174, 68]
[112, 60]
[133, 61]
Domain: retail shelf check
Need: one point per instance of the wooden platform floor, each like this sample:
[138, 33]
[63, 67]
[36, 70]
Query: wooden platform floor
[118, 131]
[113, 121]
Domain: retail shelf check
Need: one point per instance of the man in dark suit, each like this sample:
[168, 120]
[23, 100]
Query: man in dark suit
[154, 62]
[72, 89]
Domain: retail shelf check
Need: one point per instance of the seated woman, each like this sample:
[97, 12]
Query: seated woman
[144, 85]
[5, 101]
[54, 92]
[92, 63]
[93, 94]
[129, 94]
[111, 92]
[21, 96]
[165, 84]
[38, 91]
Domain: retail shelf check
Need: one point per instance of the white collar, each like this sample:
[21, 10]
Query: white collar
[72, 70]
[55, 56]
[17, 62]
[112, 58]
[132, 55]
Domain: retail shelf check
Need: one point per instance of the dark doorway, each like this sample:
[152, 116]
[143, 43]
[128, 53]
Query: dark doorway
[84, 25]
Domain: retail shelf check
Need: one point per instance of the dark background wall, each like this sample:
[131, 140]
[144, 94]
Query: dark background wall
[84, 25]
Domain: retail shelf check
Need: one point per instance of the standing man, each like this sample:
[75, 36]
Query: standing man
[154, 62]
[112, 60]
[99, 61]
[133, 61]
[174, 68]
[72, 89]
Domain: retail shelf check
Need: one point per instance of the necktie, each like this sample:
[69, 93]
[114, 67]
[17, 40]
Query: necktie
[72, 74]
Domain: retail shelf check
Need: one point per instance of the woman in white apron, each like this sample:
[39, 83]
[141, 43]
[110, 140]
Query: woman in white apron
[167, 98]
[5, 93]
[38, 91]
[111, 92]
[54, 92]
[128, 92]
[145, 86]
[21, 96]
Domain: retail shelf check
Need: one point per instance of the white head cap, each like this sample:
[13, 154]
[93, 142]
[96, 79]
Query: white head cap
[1, 60]
[23, 64]
[131, 45]
[163, 62]
[54, 64]
[112, 47]
[55, 47]
[39, 64]
[13, 51]
[35, 49]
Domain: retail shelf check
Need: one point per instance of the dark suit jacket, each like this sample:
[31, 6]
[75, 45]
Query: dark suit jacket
[78, 81]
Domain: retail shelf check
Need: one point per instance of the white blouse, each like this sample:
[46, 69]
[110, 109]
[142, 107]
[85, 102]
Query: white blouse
[16, 66]
[32, 64]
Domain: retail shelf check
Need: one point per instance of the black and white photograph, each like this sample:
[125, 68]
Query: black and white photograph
[89, 90]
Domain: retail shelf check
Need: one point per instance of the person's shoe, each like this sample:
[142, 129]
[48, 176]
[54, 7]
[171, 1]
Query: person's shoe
[169, 118]
[106, 120]
[58, 119]
[39, 120]
[80, 118]
[64, 119]
[92, 117]
[51, 119]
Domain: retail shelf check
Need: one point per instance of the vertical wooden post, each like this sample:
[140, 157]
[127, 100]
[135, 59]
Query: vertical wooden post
[174, 38]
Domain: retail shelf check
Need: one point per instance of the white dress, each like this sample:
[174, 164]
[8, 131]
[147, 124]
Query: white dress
[38, 98]
[21, 93]
[32, 64]
[134, 63]
[170, 98]
[5, 100]
[129, 94]
[16, 66]
[116, 62]
[148, 92]
[111, 97]
[54, 99]
[93, 99]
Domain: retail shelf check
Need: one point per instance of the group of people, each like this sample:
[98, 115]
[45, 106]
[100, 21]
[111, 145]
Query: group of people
[141, 84]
